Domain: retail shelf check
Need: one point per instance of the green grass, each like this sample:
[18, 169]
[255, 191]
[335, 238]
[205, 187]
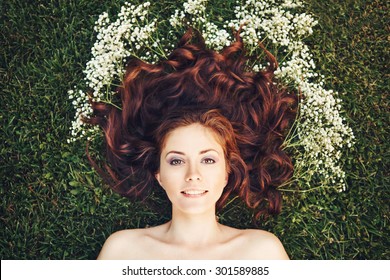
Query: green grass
[54, 206]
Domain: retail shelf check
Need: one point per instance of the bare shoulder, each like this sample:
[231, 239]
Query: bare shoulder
[121, 245]
[261, 244]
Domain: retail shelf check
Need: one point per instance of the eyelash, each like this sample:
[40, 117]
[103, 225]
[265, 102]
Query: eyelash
[175, 161]
[208, 159]
[179, 161]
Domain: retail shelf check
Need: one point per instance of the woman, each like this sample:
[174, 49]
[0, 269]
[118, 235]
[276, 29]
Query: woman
[204, 127]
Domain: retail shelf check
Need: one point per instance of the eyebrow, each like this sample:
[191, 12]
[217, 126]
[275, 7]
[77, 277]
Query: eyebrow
[201, 152]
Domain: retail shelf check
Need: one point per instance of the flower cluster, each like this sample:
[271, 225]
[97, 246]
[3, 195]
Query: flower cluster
[130, 34]
[319, 133]
[194, 15]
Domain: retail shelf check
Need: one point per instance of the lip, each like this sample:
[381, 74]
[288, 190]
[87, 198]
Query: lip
[193, 193]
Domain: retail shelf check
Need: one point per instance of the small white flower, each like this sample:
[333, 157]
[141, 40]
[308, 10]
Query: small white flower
[320, 133]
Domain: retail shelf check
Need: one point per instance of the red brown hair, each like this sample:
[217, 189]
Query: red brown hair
[249, 105]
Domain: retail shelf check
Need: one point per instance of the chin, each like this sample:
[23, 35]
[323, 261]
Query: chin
[197, 206]
[196, 209]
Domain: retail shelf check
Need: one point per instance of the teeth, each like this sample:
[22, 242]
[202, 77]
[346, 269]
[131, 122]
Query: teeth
[193, 192]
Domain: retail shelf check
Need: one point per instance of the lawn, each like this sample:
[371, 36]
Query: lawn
[55, 206]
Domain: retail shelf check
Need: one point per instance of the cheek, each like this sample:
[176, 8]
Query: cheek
[219, 176]
[168, 177]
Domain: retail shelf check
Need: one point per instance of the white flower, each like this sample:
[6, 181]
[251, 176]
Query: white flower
[319, 134]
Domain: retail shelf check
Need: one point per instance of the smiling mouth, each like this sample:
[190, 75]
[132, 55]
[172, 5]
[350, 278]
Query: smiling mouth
[194, 193]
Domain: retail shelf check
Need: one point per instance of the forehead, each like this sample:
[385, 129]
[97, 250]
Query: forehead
[192, 137]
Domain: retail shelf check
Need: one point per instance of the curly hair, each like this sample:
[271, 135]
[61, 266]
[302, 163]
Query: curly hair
[196, 79]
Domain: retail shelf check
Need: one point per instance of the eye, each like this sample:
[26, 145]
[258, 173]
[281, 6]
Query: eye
[176, 162]
[208, 161]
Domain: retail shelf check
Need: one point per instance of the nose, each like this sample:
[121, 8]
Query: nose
[193, 174]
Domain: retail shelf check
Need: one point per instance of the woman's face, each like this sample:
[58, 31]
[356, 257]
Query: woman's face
[192, 169]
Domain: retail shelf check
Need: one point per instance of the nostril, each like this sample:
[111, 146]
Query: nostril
[192, 179]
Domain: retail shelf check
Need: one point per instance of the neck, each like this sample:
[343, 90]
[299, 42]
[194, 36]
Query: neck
[194, 230]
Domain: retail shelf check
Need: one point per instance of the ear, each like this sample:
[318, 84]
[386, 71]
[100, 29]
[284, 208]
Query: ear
[158, 178]
[226, 178]
[227, 173]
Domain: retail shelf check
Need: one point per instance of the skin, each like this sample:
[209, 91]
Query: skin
[193, 173]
